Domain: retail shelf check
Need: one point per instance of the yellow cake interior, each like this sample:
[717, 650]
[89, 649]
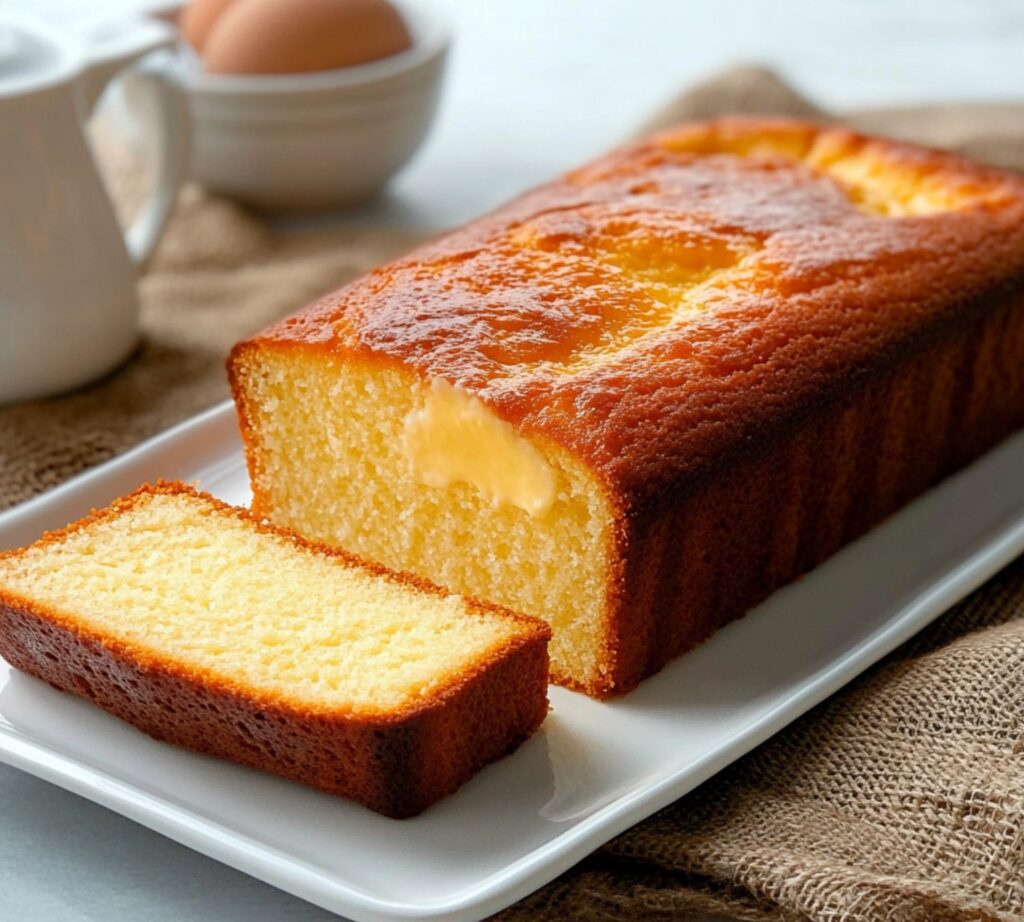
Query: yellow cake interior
[191, 584]
[380, 473]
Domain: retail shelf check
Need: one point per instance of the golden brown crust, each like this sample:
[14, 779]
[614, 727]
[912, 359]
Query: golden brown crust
[787, 503]
[388, 761]
[823, 265]
[846, 292]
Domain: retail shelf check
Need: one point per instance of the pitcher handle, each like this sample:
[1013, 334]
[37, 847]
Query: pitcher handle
[165, 111]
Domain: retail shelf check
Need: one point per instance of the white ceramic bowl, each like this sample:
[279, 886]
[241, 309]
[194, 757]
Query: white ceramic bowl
[298, 142]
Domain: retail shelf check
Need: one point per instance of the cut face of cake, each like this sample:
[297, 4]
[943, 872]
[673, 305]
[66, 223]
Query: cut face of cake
[637, 400]
[424, 477]
[206, 628]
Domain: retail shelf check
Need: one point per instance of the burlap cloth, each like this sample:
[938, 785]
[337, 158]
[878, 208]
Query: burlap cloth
[901, 798]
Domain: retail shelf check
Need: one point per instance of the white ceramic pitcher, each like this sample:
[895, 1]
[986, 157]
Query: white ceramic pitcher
[68, 303]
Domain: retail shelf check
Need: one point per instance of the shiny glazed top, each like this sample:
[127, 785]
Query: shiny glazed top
[658, 309]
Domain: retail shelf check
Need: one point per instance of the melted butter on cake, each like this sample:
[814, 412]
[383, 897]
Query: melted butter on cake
[453, 437]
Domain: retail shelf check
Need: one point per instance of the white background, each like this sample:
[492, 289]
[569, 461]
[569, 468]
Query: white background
[534, 87]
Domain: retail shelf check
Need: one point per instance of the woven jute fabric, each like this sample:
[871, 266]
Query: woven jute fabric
[900, 798]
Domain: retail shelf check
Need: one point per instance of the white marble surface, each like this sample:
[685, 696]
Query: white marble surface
[535, 86]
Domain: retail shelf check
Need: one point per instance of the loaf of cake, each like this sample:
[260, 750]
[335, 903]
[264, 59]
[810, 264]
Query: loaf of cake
[207, 628]
[639, 399]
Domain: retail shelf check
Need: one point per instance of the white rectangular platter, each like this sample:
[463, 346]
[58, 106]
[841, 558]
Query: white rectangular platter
[595, 769]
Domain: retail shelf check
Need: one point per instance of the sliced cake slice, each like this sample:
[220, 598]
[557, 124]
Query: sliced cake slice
[205, 627]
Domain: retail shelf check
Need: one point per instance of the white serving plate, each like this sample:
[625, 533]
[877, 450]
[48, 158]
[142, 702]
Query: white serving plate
[595, 769]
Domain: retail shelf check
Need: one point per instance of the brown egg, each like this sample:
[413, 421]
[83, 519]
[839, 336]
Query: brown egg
[295, 36]
[197, 20]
